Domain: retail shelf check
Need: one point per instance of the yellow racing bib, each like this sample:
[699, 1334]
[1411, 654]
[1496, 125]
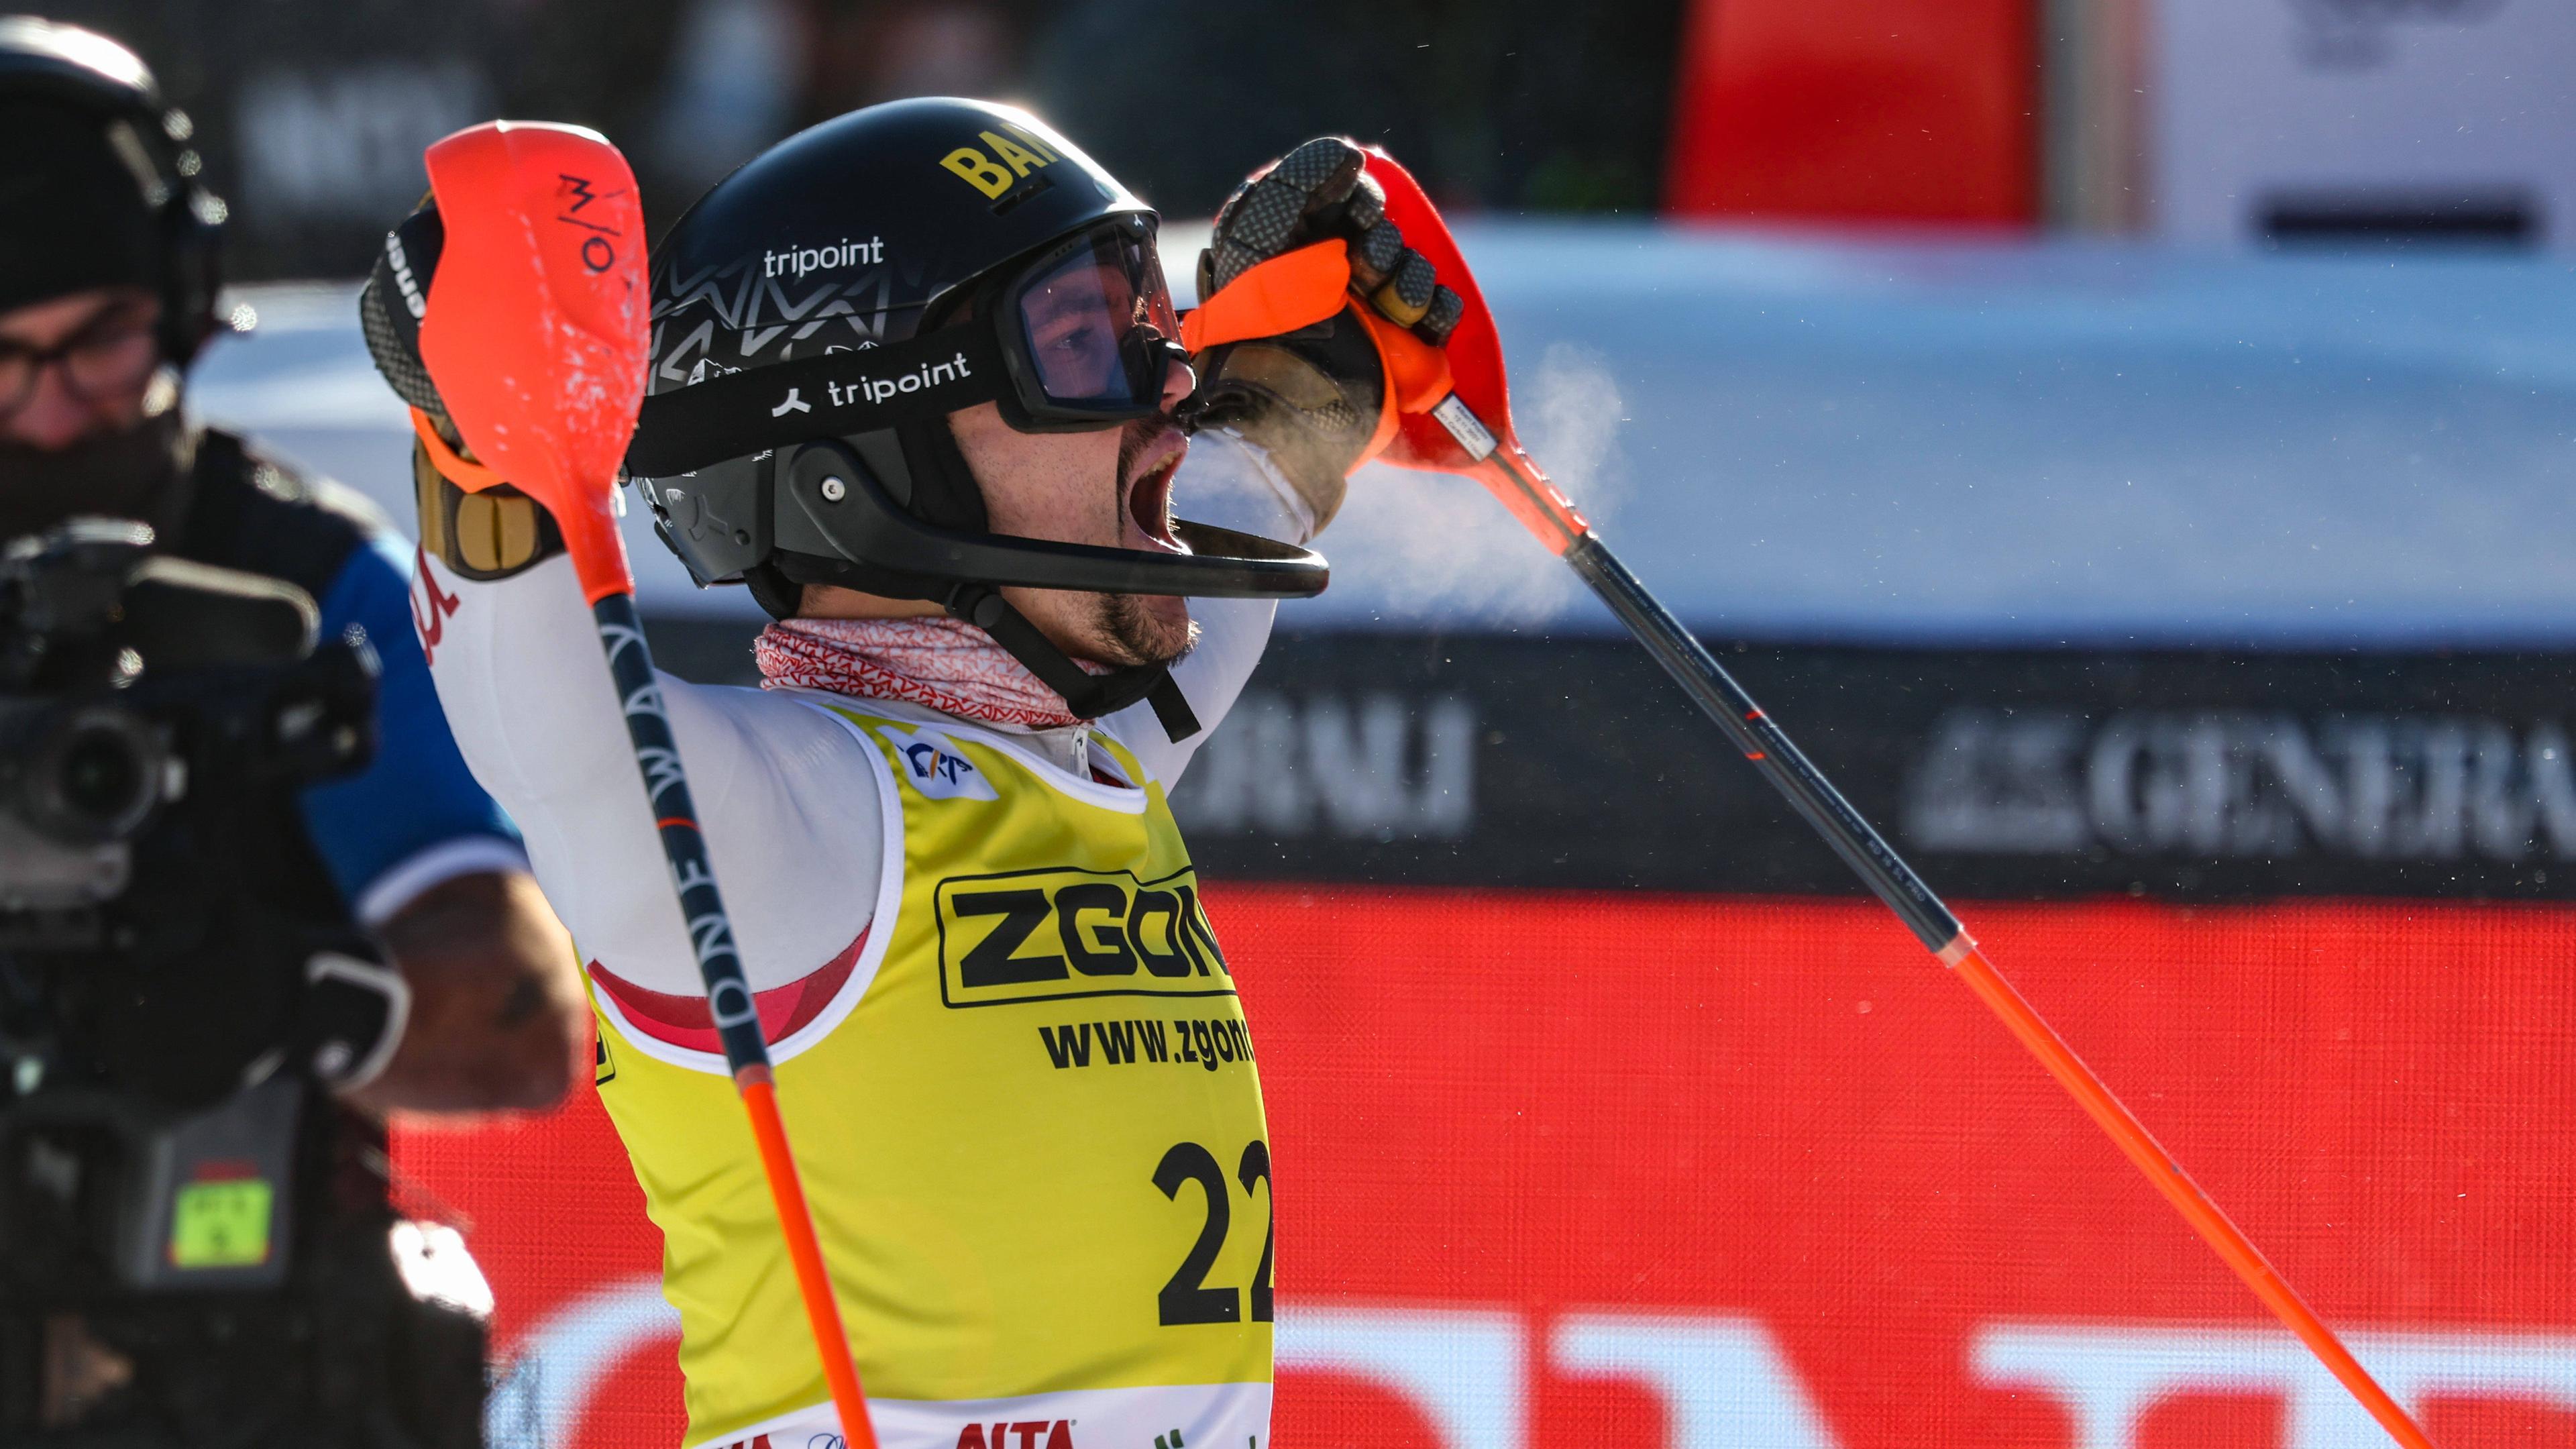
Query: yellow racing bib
[1029, 1125]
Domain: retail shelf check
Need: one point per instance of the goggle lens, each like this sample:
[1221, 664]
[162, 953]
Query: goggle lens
[1097, 322]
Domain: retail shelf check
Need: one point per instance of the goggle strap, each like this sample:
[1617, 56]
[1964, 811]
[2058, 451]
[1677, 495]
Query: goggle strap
[827, 396]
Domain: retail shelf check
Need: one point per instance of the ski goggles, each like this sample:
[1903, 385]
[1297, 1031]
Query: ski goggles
[1082, 335]
[1087, 328]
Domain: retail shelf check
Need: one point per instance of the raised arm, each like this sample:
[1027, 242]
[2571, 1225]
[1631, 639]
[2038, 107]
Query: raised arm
[1301, 357]
[517, 665]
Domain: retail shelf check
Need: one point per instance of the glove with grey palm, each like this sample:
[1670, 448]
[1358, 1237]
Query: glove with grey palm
[1311, 393]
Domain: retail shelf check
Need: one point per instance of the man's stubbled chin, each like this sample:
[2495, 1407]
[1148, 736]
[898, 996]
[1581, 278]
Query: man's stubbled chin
[1147, 629]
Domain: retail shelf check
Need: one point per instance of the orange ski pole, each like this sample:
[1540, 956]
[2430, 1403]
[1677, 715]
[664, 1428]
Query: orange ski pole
[1464, 425]
[536, 335]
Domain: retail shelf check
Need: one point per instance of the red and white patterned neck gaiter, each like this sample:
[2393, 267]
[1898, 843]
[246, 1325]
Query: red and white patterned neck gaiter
[942, 664]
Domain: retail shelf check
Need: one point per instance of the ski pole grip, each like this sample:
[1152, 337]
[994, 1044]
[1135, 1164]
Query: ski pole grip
[535, 330]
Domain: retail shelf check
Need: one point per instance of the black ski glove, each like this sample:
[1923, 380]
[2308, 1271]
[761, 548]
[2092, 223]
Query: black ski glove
[1314, 398]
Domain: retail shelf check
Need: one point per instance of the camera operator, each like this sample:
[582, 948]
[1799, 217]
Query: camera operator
[107, 290]
[250, 898]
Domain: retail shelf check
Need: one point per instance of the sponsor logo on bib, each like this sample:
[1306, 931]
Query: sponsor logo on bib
[1044, 935]
[933, 765]
[1026, 1434]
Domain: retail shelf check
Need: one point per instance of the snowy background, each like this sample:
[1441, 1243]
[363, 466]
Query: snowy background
[1800, 438]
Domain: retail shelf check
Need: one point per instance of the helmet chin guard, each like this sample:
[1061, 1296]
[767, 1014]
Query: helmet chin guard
[796, 430]
[831, 519]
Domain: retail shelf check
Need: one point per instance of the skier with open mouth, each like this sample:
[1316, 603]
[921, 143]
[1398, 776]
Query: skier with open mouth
[917, 383]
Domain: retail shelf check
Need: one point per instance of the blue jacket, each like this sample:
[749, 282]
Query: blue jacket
[414, 817]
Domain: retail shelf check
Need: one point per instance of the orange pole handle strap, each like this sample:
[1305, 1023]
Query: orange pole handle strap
[590, 536]
[1416, 376]
[1291, 290]
[1417, 373]
[805, 1252]
[452, 465]
[1303, 287]
[2142, 1149]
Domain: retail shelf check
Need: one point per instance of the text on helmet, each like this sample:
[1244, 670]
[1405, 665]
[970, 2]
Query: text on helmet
[847, 252]
[986, 173]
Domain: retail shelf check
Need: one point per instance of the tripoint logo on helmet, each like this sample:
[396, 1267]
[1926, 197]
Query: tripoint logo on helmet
[797, 261]
[878, 389]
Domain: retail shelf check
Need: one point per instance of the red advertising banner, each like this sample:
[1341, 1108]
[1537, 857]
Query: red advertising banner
[1693, 1171]
[1856, 110]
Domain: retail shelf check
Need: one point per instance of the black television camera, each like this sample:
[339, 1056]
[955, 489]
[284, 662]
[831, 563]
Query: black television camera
[196, 1246]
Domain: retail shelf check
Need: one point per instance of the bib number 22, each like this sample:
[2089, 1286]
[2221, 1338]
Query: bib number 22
[1187, 1298]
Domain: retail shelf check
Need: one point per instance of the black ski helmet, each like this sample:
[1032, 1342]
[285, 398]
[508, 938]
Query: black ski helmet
[820, 312]
[101, 168]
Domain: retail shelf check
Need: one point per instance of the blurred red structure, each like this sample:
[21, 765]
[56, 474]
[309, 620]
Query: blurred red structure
[1613, 1169]
[1856, 111]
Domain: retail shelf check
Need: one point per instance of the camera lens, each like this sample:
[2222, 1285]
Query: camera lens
[91, 778]
[99, 776]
